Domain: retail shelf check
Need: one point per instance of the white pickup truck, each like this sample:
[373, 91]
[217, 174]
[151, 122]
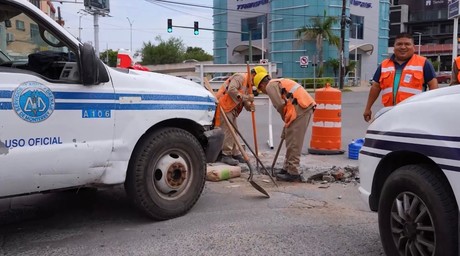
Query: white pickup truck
[69, 121]
[410, 173]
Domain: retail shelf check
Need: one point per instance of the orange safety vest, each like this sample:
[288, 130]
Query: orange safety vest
[293, 93]
[457, 63]
[410, 84]
[226, 101]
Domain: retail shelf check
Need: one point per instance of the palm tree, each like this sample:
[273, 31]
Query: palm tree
[319, 29]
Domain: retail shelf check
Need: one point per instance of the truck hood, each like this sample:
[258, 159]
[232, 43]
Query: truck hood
[144, 81]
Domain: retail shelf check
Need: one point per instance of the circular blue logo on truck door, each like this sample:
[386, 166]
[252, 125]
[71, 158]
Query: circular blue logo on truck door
[33, 102]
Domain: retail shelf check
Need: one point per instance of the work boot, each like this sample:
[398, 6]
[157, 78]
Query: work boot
[229, 160]
[282, 171]
[240, 159]
[289, 177]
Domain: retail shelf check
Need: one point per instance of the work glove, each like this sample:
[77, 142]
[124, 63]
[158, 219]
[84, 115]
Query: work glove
[247, 97]
[249, 106]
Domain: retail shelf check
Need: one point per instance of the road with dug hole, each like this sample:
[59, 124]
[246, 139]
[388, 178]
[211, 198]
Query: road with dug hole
[231, 217]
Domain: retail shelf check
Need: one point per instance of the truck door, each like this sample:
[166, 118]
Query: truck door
[55, 132]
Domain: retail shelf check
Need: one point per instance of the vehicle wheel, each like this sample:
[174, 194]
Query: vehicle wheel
[167, 173]
[417, 214]
[447, 81]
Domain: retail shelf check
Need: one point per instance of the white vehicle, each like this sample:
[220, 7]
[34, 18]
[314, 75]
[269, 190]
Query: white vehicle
[410, 173]
[68, 121]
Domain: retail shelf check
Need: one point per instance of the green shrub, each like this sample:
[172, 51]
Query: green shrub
[308, 83]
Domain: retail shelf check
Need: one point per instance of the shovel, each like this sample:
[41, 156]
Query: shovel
[245, 156]
[255, 154]
[276, 156]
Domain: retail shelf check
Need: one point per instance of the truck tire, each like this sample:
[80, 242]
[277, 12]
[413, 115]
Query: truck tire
[418, 214]
[166, 174]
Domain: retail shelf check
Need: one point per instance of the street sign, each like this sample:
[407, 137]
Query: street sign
[303, 61]
[453, 10]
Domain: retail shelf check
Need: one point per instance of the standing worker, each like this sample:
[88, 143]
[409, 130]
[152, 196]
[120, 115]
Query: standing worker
[295, 105]
[455, 79]
[401, 76]
[233, 95]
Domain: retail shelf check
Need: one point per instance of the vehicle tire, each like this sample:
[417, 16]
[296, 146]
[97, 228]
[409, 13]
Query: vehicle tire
[418, 213]
[166, 174]
[447, 81]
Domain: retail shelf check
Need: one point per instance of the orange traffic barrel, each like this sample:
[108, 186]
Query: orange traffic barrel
[326, 134]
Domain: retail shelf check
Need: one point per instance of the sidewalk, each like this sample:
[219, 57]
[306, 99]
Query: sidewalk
[362, 88]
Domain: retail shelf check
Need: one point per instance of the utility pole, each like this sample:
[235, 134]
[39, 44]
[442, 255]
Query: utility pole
[342, 45]
[131, 35]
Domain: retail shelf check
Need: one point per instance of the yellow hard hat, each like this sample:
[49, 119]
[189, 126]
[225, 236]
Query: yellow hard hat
[259, 69]
[259, 77]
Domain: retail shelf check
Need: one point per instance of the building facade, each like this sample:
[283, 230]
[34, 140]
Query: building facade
[272, 25]
[428, 21]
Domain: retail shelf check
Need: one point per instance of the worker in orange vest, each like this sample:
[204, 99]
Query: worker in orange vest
[295, 105]
[455, 79]
[401, 76]
[233, 95]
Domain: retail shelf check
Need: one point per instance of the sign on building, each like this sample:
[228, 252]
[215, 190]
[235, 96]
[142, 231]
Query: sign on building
[99, 5]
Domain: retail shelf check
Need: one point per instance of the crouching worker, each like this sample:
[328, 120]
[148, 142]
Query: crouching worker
[295, 105]
[233, 95]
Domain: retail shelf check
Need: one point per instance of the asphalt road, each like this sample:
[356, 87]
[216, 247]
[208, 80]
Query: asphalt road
[231, 217]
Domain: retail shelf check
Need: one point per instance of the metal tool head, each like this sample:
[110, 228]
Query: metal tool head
[259, 188]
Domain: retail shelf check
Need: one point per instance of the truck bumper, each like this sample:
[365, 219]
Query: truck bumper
[215, 141]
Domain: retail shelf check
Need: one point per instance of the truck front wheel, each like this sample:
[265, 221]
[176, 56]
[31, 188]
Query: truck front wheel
[166, 174]
[418, 214]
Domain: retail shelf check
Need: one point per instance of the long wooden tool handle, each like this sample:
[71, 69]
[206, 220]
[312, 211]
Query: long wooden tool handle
[230, 127]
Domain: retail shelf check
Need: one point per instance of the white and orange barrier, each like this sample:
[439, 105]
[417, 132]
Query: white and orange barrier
[326, 136]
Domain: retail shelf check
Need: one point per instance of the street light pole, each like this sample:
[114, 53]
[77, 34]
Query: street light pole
[263, 49]
[131, 35]
[356, 51]
[419, 41]
[79, 26]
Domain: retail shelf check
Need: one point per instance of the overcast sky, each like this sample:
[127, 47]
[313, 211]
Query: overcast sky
[148, 18]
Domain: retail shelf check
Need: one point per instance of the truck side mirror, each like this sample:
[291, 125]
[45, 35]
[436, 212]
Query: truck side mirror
[91, 68]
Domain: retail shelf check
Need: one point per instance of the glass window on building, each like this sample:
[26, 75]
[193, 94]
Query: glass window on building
[34, 33]
[254, 25]
[357, 27]
[35, 2]
[20, 25]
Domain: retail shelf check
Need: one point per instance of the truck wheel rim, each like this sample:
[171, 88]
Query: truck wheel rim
[170, 174]
[412, 226]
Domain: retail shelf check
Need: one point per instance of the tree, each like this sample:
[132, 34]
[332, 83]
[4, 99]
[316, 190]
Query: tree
[319, 29]
[166, 52]
[109, 57]
[196, 53]
[335, 65]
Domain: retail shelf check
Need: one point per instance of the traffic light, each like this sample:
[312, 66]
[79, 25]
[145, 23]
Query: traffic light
[169, 25]
[195, 28]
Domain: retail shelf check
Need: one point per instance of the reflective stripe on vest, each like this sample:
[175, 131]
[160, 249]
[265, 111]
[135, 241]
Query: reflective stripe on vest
[303, 98]
[411, 82]
[226, 101]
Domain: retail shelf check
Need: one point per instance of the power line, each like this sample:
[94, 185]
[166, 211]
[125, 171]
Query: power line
[231, 10]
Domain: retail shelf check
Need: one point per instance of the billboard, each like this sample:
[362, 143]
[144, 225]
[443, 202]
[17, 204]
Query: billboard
[422, 5]
[99, 5]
